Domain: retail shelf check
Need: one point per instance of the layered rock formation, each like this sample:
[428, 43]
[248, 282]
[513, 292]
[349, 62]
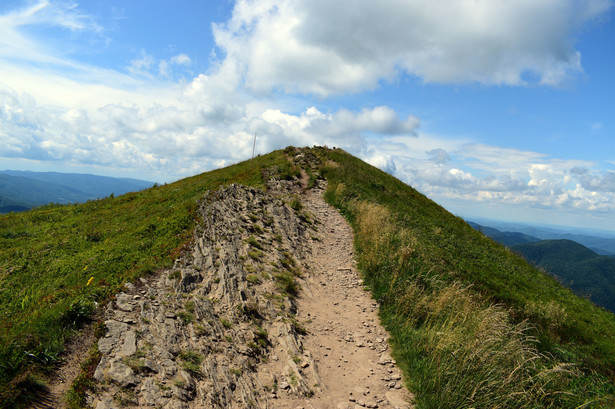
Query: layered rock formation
[194, 336]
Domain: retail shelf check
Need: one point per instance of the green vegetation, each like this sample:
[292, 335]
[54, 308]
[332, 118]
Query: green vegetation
[136, 362]
[585, 272]
[296, 204]
[226, 323]
[23, 190]
[255, 255]
[472, 324]
[191, 362]
[185, 317]
[285, 279]
[85, 380]
[254, 243]
[253, 279]
[58, 262]
[260, 342]
[576, 266]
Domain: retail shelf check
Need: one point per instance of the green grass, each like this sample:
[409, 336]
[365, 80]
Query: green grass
[58, 262]
[191, 362]
[254, 243]
[472, 324]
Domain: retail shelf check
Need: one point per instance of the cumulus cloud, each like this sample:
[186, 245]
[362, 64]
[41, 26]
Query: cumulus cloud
[439, 156]
[147, 120]
[380, 160]
[191, 133]
[595, 182]
[477, 173]
[323, 47]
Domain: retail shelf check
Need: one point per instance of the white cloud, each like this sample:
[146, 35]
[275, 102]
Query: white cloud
[596, 126]
[593, 182]
[380, 160]
[439, 156]
[164, 67]
[142, 64]
[202, 126]
[168, 129]
[324, 47]
[181, 59]
[489, 174]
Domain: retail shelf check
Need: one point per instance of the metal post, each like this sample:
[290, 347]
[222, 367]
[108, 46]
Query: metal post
[253, 147]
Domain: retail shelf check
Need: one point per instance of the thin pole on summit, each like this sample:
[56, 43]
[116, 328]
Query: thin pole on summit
[253, 146]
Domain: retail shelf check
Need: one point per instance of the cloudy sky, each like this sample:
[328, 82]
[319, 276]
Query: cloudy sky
[500, 109]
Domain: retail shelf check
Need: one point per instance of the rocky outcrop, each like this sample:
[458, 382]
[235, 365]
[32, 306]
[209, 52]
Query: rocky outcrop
[197, 334]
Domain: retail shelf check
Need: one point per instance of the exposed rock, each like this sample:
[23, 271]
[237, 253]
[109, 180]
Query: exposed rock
[122, 374]
[150, 392]
[124, 302]
[193, 336]
[130, 344]
[106, 402]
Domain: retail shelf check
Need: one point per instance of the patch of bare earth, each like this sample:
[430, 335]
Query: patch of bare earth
[60, 381]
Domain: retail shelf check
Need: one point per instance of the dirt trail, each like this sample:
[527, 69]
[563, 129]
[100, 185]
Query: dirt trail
[344, 337]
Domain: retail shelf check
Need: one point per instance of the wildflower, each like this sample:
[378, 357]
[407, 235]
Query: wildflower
[90, 281]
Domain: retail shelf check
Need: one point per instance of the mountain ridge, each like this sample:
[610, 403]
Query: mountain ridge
[578, 267]
[22, 190]
[506, 238]
[471, 323]
[602, 242]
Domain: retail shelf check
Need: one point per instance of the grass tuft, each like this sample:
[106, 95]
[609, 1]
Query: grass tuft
[191, 362]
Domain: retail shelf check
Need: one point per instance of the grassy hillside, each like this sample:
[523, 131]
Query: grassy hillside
[584, 271]
[473, 325]
[58, 262]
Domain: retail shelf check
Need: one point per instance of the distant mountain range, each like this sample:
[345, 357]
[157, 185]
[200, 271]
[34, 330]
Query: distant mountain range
[506, 238]
[22, 190]
[600, 242]
[578, 267]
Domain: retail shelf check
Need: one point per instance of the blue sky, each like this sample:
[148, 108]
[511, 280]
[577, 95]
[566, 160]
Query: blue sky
[493, 109]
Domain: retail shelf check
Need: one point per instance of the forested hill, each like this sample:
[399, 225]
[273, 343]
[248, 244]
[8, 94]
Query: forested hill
[576, 266]
[22, 190]
[585, 272]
